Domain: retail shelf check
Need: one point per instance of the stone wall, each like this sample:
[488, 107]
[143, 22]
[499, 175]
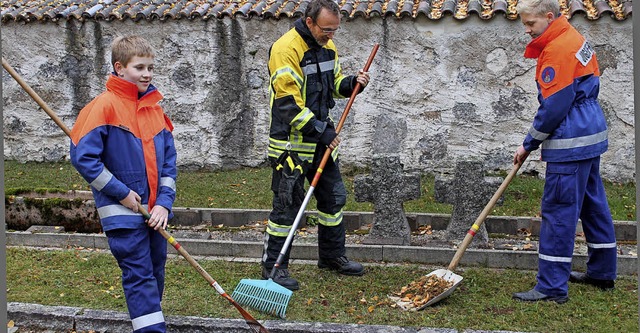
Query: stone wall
[441, 90]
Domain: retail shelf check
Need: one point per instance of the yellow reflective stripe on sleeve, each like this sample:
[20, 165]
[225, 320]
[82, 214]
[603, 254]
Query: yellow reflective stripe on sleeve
[336, 92]
[302, 118]
[287, 71]
[334, 154]
[330, 220]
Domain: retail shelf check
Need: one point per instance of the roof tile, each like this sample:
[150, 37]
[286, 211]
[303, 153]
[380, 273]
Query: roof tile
[54, 10]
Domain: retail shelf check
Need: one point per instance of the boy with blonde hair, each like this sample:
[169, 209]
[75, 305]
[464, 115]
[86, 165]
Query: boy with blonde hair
[122, 145]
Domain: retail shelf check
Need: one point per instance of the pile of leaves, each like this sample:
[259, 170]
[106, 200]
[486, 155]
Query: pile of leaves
[417, 293]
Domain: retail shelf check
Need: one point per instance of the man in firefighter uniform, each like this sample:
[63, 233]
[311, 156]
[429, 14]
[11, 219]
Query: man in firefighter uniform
[571, 130]
[305, 78]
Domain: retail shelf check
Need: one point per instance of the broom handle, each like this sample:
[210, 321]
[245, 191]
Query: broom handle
[323, 162]
[483, 215]
[141, 209]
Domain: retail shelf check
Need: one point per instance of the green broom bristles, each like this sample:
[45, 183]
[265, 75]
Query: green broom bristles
[263, 295]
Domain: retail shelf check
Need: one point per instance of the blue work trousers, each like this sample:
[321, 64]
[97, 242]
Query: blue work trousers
[574, 190]
[141, 254]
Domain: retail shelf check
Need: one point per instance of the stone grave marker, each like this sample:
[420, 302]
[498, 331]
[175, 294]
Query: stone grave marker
[468, 191]
[387, 188]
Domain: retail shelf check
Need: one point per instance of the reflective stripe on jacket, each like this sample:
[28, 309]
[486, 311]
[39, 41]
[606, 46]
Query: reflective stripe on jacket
[120, 142]
[305, 79]
[569, 124]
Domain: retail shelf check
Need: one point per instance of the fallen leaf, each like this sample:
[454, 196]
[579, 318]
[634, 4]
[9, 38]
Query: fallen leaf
[309, 301]
[10, 324]
[371, 308]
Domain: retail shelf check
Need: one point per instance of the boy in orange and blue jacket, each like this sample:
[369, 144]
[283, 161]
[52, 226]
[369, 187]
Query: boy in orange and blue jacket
[122, 145]
[571, 129]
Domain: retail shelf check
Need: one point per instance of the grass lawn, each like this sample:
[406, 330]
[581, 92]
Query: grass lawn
[482, 302]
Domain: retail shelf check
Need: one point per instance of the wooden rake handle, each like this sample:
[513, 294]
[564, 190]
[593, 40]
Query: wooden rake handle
[35, 96]
[483, 215]
[355, 92]
[254, 324]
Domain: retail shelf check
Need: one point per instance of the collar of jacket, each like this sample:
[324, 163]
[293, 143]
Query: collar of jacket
[555, 29]
[129, 90]
[301, 27]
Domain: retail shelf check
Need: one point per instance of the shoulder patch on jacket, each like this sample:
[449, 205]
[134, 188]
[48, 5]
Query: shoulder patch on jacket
[585, 53]
[547, 76]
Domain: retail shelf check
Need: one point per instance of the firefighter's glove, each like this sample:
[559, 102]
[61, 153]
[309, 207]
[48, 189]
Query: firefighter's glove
[291, 186]
[328, 135]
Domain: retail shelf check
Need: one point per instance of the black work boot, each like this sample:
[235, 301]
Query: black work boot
[281, 277]
[342, 265]
[583, 278]
[535, 296]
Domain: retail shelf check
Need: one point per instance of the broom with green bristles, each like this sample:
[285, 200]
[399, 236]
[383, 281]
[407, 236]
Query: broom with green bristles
[266, 295]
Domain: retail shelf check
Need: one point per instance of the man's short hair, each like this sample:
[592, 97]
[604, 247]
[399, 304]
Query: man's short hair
[315, 7]
[538, 7]
[124, 48]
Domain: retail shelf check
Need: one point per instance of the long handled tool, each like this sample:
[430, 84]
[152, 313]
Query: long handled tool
[266, 295]
[448, 274]
[253, 324]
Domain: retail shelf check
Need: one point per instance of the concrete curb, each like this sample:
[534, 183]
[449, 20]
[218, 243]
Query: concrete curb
[526, 260]
[625, 230]
[56, 319]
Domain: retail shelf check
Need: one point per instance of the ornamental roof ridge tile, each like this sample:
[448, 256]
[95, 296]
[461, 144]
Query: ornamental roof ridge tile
[150, 10]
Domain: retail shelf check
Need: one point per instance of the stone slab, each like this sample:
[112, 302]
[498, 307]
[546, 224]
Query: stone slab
[627, 265]
[49, 229]
[625, 230]
[58, 319]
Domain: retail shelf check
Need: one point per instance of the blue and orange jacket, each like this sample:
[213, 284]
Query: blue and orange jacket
[569, 123]
[121, 142]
